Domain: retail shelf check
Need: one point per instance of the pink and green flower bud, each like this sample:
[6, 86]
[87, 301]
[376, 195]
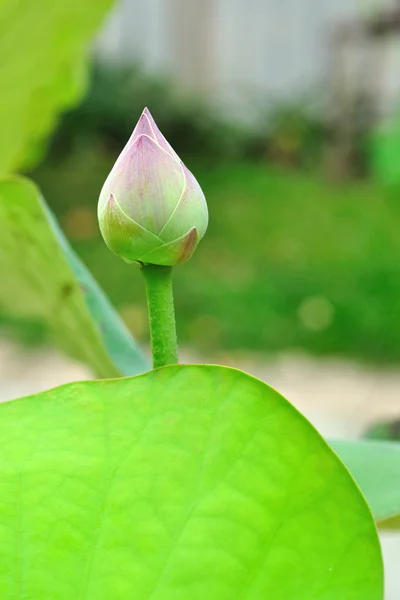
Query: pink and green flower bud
[151, 208]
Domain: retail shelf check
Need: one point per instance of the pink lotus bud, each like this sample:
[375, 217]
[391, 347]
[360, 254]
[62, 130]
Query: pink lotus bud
[151, 208]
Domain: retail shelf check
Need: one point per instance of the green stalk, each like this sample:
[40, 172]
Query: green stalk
[160, 302]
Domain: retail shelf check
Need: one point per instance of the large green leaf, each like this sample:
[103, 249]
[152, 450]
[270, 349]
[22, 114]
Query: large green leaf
[185, 482]
[376, 468]
[42, 278]
[43, 46]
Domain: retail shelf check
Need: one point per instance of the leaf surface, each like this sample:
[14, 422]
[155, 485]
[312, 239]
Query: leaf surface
[44, 50]
[185, 482]
[42, 278]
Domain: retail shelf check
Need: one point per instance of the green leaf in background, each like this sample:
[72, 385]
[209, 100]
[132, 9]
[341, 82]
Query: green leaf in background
[376, 468]
[390, 524]
[44, 47]
[43, 279]
[186, 482]
[384, 151]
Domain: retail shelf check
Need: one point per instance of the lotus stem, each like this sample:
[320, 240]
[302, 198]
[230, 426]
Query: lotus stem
[160, 302]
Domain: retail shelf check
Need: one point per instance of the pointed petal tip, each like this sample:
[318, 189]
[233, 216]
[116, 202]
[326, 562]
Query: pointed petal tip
[123, 235]
[188, 245]
[106, 203]
[192, 233]
[147, 125]
[109, 206]
[152, 150]
[144, 126]
[146, 113]
[144, 141]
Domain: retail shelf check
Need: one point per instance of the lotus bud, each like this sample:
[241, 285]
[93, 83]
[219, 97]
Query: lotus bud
[151, 208]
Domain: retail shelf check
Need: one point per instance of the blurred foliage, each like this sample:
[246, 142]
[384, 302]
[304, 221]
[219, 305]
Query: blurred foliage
[115, 101]
[384, 152]
[39, 282]
[388, 430]
[289, 134]
[290, 261]
[295, 135]
[44, 51]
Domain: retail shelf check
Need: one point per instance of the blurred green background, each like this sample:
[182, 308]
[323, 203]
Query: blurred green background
[290, 122]
[303, 246]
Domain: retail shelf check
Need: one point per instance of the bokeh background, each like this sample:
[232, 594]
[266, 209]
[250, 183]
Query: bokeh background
[288, 113]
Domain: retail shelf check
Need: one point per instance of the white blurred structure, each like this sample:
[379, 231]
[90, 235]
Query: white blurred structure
[238, 52]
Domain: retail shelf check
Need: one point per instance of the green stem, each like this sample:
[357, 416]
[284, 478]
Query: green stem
[160, 302]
